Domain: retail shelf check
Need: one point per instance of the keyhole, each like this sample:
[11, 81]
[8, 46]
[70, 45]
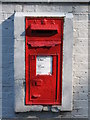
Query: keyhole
[35, 83]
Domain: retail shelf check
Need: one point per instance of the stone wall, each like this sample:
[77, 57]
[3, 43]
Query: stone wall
[80, 57]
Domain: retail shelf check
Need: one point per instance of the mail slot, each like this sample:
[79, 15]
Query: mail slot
[43, 60]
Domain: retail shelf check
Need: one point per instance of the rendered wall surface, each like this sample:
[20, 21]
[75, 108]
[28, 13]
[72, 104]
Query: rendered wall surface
[80, 57]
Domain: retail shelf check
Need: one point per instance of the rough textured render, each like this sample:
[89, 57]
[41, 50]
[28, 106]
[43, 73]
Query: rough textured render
[80, 57]
[19, 67]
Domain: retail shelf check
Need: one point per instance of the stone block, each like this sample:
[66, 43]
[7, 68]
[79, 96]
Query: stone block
[29, 7]
[7, 8]
[7, 17]
[8, 112]
[18, 7]
[8, 49]
[46, 108]
[83, 89]
[80, 17]
[80, 42]
[8, 32]
[80, 66]
[77, 8]
[83, 111]
[80, 96]
[54, 109]
[83, 33]
[7, 42]
[7, 88]
[11, 8]
[55, 8]
[79, 50]
[80, 104]
[80, 24]
[81, 59]
[8, 103]
[80, 80]
[44, 8]
[80, 73]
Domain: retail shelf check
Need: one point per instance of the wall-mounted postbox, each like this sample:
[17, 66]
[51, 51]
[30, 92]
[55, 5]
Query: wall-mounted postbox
[43, 60]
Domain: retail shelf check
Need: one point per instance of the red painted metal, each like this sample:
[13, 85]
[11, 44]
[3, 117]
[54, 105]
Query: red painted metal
[44, 37]
[43, 27]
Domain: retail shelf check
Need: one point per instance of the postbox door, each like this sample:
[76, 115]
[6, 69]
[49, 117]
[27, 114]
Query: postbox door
[42, 79]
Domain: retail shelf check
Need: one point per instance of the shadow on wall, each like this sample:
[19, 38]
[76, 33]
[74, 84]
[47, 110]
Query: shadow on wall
[8, 67]
[8, 76]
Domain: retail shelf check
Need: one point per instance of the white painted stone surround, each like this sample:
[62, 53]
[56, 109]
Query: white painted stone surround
[19, 61]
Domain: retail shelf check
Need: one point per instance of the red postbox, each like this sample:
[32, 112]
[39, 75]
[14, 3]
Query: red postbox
[43, 60]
